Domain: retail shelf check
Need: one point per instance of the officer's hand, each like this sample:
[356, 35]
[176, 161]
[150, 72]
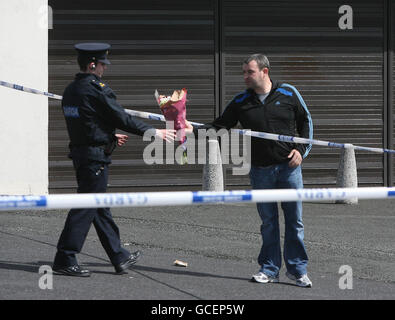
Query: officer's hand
[121, 139]
[296, 158]
[166, 134]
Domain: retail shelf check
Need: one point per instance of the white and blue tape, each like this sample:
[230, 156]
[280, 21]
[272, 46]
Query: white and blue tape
[22, 202]
[29, 90]
[153, 199]
[228, 196]
[263, 135]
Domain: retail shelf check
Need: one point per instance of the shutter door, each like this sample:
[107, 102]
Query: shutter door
[162, 45]
[392, 71]
[339, 73]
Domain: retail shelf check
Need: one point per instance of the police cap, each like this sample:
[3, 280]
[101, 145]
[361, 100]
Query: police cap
[96, 52]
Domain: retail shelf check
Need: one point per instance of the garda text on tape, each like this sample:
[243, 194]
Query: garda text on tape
[20, 202]
[146, 199]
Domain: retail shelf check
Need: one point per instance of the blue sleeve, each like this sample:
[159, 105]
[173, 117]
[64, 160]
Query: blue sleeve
[304, 122]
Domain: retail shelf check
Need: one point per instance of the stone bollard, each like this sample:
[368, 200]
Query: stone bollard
[213, 178]
[347, 172]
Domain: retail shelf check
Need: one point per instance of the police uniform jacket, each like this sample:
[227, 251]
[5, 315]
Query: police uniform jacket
[92, 115]
[283, 112]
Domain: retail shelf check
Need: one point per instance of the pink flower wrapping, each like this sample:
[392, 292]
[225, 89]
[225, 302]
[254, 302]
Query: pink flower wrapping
[174, 109]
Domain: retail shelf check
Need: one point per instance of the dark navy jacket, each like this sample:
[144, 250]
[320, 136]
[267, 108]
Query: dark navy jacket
[92, 115]
[284, 112]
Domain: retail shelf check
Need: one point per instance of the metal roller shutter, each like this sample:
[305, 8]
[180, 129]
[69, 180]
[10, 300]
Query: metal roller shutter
[338, 72]
[392, 84]
[162, 45]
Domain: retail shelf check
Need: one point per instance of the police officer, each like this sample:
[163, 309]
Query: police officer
[92, 115]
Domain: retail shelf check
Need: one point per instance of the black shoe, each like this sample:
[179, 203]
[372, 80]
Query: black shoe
[121, 268]
[75, 271]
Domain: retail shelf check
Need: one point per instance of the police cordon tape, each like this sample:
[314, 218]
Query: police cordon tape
[263, 135]
[181, 198]
[29, 90]
[271, 136]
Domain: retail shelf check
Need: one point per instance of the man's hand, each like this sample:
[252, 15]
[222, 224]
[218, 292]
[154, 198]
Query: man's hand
[296, 158]
[166, 134]
[121, 139]
[189, 127]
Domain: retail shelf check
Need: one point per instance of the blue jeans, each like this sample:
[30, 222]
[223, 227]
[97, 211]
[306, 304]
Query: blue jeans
[280, 177]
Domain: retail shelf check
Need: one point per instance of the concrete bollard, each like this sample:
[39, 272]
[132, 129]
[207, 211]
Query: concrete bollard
[347, 172]
[213, 178]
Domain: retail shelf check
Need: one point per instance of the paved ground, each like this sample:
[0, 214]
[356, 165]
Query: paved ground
[220, 244]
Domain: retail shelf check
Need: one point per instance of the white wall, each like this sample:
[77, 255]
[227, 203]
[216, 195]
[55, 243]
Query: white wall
[23, 116]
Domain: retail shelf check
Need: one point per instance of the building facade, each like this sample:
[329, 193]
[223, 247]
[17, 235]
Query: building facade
[338, 54]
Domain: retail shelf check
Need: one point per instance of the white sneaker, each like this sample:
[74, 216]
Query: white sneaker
[303, 281]
[263, 278]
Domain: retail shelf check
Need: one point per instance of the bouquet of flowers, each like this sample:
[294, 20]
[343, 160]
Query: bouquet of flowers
[174, 109]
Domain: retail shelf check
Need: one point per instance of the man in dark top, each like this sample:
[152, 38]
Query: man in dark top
[273, 107]
[92, 115]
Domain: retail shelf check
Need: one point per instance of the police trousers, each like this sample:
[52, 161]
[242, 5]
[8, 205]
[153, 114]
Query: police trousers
[92, 177]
